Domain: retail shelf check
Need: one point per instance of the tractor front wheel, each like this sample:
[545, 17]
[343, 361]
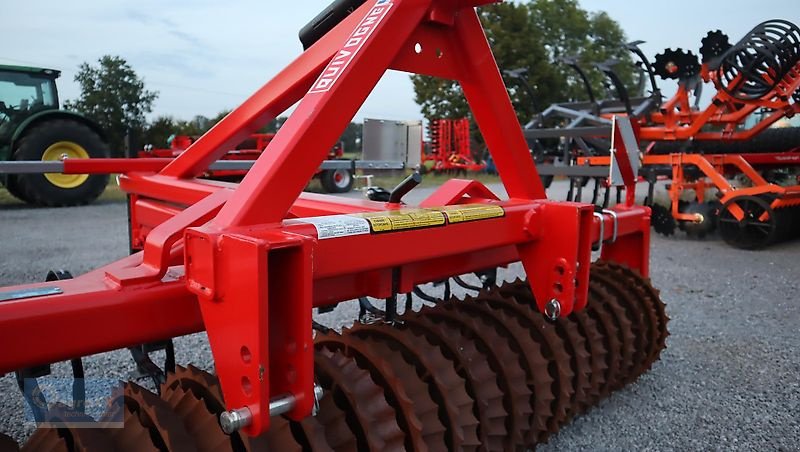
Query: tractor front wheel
[55, 140]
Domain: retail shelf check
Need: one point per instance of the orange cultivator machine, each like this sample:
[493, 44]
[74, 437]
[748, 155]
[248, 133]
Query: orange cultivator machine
[247, 263]
[757, 83]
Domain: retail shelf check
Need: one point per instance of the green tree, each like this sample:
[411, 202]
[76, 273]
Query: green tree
[535, 35]
[159, 131]
[114, 96]
[351, 137]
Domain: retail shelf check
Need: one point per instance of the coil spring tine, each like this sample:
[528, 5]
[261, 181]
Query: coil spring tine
[33, 395]
[606, 194]
[571, 188]
[651, 186]
[78, 386]
[596, 190]
[391, 308]
[488, 278]
[619, 195]
[365, 309]
[316, 326]
[579, 193]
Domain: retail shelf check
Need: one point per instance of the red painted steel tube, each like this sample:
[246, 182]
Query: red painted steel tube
[67, 324]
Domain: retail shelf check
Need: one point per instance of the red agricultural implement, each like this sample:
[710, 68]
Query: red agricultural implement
[752, 169]
[450, 147]
[248, 262]
[333, 177]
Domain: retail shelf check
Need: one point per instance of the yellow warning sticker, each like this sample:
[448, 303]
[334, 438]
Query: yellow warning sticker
[399, 220]
[460, 214]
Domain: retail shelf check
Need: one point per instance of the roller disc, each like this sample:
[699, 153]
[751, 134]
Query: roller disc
[206, 387]
[133, 436]
[200, 423]
[166, 429]
[280, 436]
[641, 324]
[650, 299]
[539, 381]
[401, 395]
[608, 310]
[446, 387]
[609, 333]
[369, 421]
[756, 230]
[66, 438]
[45, 440]
[7, 444]
[519, 304]
[472, 365]
[588, 328]
[503, 361]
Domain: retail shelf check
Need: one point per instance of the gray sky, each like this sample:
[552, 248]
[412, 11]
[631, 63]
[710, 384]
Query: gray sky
[205, 56]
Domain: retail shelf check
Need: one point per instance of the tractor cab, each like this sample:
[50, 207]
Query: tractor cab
[23, 92]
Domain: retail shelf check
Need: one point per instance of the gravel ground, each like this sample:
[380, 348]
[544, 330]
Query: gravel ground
[728, 380]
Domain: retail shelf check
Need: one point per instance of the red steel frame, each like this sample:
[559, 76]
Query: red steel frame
[238, 260]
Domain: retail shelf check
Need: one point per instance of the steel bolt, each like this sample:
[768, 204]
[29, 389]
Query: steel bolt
[234, 420]
[552, 310]
[318, 393]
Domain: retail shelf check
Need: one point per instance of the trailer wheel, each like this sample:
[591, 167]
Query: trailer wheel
[337, 181]
[55, 140]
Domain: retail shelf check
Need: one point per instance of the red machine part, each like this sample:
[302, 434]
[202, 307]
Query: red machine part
[248, 262]
[248, 150]
[450, 146]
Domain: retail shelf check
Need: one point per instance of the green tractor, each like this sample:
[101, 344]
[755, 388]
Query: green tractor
[32, 127]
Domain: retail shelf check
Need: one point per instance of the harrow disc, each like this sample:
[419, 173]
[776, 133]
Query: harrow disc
[676, 64]
[714, 45]
[662, 220]
[706, 219]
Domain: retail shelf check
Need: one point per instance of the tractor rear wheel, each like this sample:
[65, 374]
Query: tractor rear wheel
[52, 141]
